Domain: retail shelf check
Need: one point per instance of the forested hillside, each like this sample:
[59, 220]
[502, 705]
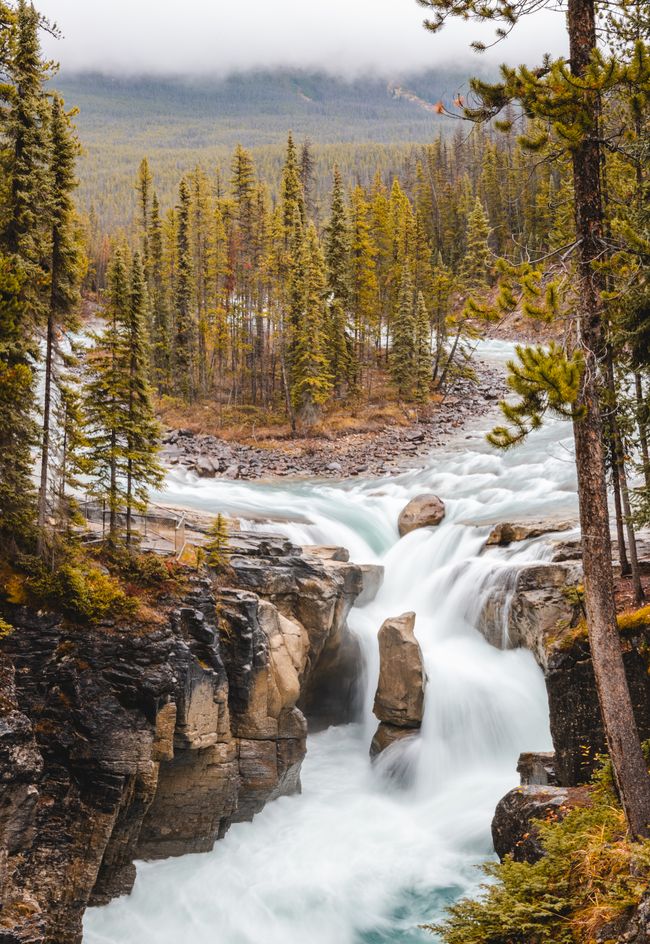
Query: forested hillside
[184, 122]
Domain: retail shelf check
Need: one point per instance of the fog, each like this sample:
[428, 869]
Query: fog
[345, 37]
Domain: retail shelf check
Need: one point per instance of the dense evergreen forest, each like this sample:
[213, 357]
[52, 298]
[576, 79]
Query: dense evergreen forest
[180, 123]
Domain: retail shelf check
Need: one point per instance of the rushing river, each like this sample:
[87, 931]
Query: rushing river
[357, 858]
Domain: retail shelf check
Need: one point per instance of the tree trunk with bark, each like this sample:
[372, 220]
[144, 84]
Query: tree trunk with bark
[623, 741]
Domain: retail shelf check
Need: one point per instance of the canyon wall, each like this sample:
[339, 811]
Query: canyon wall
[126, 742]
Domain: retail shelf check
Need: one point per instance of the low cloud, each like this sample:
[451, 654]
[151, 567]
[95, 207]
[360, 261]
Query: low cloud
[345, 37]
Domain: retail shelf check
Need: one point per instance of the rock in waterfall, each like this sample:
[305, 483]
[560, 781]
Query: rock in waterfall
[425, 511]
[399, 701]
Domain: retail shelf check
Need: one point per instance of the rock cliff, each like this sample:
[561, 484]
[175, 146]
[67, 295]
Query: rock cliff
[124, 742]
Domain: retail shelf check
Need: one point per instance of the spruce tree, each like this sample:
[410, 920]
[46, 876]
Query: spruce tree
[402, 355]
[106, 396]
[64, 274]
[161, 354]
[185, 339]
[217, 546]
[17, 426]
[142, 469]
[311, 383]
[144, 188]
[292, 196]
[422, 361]
[474, 271]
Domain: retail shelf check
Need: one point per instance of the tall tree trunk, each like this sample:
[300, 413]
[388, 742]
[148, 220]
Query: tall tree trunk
[45, 445]
[623, 741]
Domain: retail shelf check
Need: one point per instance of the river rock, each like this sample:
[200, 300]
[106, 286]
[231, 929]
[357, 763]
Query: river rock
[425, 511]
[387, 734]
[507, 533]
[399, 700]
[513, 826]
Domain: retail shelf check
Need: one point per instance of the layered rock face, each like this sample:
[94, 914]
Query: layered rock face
[399, 700]
[543, 617]
[123, 742]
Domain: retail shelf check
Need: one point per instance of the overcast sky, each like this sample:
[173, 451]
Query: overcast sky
[204, 36]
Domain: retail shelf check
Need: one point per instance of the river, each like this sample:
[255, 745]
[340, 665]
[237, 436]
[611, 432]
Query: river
[362, 857]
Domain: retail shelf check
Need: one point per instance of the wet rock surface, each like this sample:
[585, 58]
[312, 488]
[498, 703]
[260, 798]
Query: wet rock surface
[120, 742]
[399, 700]
[513, 827]
[425, 511]
[347, 455]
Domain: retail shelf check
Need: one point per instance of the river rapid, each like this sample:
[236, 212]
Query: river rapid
[363, 857]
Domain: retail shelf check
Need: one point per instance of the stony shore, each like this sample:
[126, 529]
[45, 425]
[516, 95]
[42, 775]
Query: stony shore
[372, 452]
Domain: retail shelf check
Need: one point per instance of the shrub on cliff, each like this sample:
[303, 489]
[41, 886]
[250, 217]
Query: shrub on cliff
[591, 874]
[76, 587]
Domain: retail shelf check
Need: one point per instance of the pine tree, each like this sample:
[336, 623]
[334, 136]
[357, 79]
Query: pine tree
[567, 98]
[311, 383]
[17, 426]
[106, 396]
[403, 348]
[475, 263]
[144, 187]
[142, 469]
[185, 340]
[422, 361]
[217, 546]
[64, 274]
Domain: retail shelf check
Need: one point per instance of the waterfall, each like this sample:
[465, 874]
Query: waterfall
[360, 858]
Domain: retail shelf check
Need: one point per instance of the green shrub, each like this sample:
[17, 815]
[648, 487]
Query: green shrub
[591, 874]
[81, 591]
[143, 569]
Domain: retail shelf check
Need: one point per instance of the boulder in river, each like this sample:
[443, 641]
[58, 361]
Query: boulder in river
[425, 511]
[506, 532]
[399, 701]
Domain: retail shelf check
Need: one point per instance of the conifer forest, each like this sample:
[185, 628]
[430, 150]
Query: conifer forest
[285, 351]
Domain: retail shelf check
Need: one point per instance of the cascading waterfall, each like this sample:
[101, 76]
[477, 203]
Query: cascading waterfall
[360, 858]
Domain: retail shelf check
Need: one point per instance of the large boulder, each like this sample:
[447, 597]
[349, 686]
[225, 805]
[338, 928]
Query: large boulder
[506, 532]
[513, 828]
[425, 511]
[399, 700]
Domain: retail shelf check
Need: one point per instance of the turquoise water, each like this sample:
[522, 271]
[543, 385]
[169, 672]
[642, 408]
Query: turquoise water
[355, 859]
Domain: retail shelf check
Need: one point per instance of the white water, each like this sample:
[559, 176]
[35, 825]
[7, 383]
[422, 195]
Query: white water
[359, 858]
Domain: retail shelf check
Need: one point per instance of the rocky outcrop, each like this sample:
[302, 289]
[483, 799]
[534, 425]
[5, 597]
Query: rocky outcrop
[316, 591]
[127, 742]
[576, 725]
[536, 608]
[543, 615]
[425, 511]
[506, 533]
[399, 700]
[513, 828]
